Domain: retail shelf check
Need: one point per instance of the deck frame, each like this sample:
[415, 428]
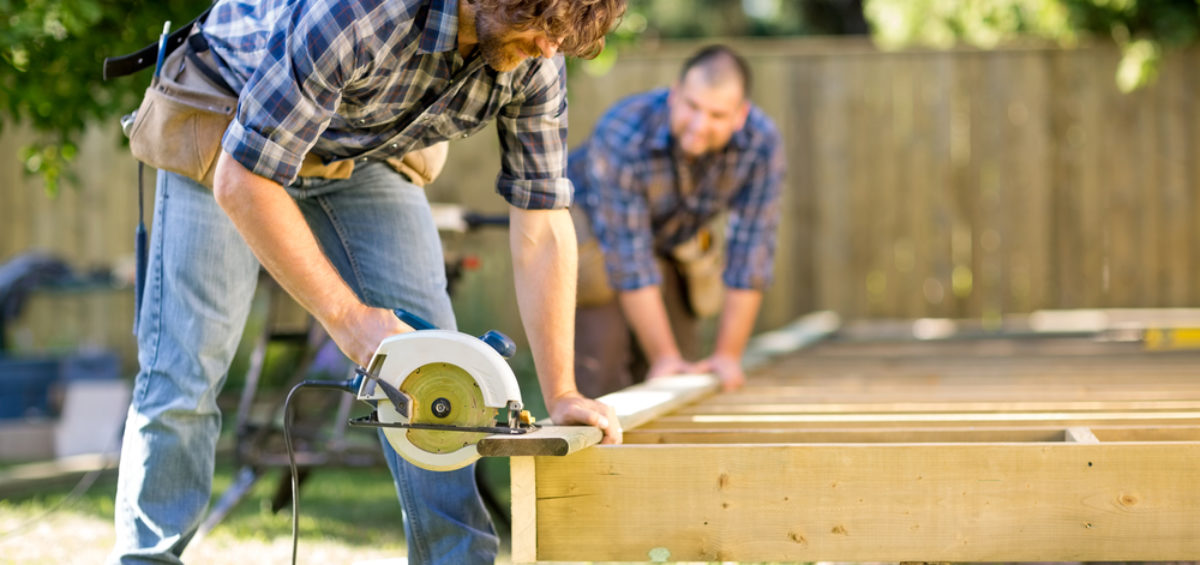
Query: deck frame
[1073, 477]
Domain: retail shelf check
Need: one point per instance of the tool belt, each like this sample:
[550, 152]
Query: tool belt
[185, 112]
[699, 262]
[187, 108]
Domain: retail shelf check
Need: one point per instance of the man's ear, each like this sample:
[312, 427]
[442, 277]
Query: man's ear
[743, 113]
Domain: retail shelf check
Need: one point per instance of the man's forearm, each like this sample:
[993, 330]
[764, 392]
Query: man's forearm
[545, 265]
[737, 321]
[647, 316]
[277, 233]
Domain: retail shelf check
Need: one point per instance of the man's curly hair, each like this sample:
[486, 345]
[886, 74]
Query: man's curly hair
[581, 24]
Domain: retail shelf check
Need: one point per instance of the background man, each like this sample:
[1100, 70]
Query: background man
[658, 169]
[342, 80]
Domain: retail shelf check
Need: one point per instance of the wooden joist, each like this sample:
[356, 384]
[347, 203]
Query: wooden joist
[634, 405]
[1058, 446]
[846, 502]
[643, 402]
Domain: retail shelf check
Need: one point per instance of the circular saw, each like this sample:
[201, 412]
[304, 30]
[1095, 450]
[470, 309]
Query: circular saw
[438, 392]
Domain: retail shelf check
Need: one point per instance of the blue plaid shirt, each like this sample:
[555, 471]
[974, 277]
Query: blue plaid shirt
[628, 184]
[333, 77]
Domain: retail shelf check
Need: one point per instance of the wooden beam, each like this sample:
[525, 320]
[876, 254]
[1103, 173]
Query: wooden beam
[896, 502]
[1108, 433]
[951, 418]
[548, 440]
[948, 434]
[768, 407]
[646, 401]
[1079, 434]
[635, 406]
[524, 509]
[807, 330]
[844, 435]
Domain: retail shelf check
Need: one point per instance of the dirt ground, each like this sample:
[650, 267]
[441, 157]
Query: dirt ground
[71, 538]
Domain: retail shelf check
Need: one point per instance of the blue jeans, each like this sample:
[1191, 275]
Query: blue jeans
[377, 230]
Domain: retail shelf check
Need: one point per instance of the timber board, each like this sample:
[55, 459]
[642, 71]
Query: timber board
[1059, 447]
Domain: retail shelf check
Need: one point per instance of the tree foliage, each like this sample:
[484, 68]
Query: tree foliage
[1142, 28]
[51, 52]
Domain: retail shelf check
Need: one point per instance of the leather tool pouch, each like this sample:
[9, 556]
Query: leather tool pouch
[593, 288]
[700, 262]
[181, 120]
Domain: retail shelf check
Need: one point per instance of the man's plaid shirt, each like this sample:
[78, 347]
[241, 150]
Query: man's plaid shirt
[333, 77]
[627, 182]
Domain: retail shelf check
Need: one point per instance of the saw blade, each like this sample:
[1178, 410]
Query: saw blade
[445, 394]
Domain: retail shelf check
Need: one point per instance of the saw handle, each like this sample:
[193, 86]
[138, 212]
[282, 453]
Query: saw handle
[417, 322]
[503, 344]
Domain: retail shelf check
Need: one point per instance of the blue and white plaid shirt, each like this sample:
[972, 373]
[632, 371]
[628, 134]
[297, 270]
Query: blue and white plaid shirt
[333, 77]
[628, 184]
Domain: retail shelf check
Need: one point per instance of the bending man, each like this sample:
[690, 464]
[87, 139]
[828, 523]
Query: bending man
[653, 182]
[330, 94]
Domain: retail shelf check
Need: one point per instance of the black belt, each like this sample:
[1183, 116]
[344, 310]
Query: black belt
[148, 55]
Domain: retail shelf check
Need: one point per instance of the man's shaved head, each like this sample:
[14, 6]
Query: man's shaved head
[710, 101]
[717, 65]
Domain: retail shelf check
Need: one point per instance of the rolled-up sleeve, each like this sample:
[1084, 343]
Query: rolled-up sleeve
[533, 141]
[292, 96]
[754, 219]
[620, 218]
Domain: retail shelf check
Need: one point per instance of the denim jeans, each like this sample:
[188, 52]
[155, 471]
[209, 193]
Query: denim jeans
[377, 230]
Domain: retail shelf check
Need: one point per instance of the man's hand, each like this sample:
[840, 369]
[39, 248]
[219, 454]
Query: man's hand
[727, 369]
[359, 332]
[669, 365]
[574, 408]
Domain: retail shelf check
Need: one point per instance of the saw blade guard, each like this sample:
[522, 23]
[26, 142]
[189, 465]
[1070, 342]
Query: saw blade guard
[402, 355]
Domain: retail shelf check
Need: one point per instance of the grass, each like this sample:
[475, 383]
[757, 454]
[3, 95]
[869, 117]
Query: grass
[347, 516]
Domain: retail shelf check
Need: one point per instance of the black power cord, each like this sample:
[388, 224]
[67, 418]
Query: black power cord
[347, 385]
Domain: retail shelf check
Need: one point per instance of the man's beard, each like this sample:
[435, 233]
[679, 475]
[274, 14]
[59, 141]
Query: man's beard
[496, 51]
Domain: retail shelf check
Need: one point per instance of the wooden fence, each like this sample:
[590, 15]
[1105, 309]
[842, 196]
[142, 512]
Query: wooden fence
[921, 183]
[968, 183]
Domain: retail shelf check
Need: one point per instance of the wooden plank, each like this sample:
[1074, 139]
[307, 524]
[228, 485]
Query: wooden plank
[951, 418]
[1079, 434]
[1139, 433]
[1030, 201]
[646, 401]
[807, 330]
[780, 92]
[899, 434]
[750, 435]
[30, 477]
[524, 509]
[831, 183]
[798, 254]
[962, 186]
[1067, 502]
[1177, 195]
[981, 406]
[929, 178]
[548, 440]
[635, 406]
[1067, 166]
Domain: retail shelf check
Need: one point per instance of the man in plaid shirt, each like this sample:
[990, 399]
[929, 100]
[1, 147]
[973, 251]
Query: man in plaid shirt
[658, 169]
[350, 85]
